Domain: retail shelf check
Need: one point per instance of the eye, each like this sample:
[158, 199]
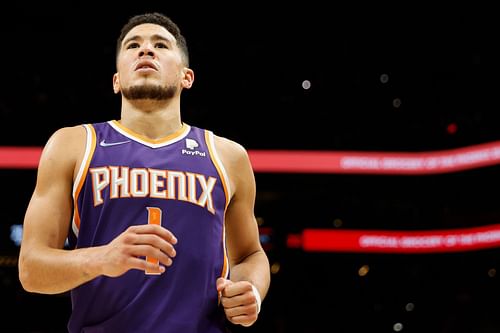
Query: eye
[161, 45]
[132, 46]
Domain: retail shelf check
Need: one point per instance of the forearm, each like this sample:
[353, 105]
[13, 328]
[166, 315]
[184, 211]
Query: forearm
[255, 269]
[53, 271]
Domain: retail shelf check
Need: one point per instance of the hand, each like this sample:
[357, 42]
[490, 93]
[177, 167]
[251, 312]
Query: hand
[129, 249]
[239, 301]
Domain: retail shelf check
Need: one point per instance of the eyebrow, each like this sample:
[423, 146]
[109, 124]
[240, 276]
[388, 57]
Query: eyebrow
[154, 37]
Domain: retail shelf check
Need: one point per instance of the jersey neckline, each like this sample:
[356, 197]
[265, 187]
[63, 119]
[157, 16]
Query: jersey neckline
[162, 142]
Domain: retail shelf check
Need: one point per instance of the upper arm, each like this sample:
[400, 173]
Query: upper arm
[47, 218]
[242, 235]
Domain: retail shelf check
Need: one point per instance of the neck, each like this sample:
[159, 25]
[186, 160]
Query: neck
[152, 119]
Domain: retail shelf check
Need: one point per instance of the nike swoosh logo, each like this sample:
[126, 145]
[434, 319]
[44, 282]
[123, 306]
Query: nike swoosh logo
[103, 143]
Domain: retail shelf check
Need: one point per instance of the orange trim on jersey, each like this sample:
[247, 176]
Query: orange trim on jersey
[83, 176]
[226, 260]
[133, 134]
[218, 167]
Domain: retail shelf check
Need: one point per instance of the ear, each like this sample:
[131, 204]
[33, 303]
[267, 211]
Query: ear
[116, 83]
[188, 78]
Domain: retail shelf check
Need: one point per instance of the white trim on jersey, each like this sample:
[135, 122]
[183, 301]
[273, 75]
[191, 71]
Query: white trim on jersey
[81, 170]
[211, 142]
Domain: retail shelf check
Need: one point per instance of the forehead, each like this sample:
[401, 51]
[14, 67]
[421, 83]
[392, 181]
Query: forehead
[149, 31]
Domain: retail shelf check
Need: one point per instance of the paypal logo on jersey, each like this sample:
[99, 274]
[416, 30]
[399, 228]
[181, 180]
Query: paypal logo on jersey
[191, 144]
[191, 150]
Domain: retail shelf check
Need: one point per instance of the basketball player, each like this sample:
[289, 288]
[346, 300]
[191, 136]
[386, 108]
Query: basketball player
[158, 215]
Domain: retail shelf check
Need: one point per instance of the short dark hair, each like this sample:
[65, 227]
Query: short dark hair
[159, 19]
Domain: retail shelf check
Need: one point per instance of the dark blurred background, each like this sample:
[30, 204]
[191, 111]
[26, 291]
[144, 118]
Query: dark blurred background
[297, 77]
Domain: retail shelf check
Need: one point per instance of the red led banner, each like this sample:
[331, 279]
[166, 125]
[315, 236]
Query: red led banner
[19, 157]
[281, 161]
[428, 241]
[290, 161]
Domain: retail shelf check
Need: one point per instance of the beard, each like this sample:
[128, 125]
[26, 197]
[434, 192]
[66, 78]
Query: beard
[149, 91]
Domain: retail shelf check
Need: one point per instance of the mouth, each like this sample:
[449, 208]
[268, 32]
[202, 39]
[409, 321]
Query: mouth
[145, 66]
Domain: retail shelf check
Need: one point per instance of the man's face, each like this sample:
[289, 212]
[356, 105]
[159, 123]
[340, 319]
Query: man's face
[149, 64]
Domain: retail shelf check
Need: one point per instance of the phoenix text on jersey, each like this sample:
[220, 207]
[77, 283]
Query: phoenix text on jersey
[125, 182]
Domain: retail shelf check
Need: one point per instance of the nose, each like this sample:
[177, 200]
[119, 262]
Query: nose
[146, 50]
[146, 53]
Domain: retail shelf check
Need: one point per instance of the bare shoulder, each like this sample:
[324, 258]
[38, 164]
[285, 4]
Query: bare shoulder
[231, 152]
[236, 161]
[65, 146]
[66, 139]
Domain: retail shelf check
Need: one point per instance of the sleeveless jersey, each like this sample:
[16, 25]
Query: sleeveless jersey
[126, 179]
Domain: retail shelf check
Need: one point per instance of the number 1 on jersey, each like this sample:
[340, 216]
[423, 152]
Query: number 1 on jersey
[154, 217]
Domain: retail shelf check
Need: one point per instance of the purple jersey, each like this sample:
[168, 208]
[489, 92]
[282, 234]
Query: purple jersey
[126, 179]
